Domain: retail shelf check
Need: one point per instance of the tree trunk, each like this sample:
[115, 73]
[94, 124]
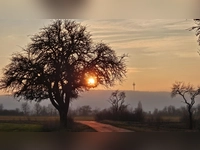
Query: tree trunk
[190, 118]
[63, 118]
[63, 111]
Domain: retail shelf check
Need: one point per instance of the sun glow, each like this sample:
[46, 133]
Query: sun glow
[91, 81]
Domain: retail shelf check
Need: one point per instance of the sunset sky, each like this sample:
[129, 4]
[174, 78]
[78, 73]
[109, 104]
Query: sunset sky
[160, 51]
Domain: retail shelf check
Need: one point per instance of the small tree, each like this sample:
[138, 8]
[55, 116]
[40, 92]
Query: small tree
[25, 108]
[188, 93]
[60, 62]
[95, 110]
[139, 114]
[1, 107]
[117, 100]
[37, 109]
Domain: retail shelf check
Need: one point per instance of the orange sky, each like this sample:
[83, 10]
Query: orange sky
[160, 51]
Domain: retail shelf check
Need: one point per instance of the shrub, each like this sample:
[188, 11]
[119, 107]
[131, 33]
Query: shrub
[108, 114]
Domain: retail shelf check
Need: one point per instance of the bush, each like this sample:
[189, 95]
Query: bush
[108, 114]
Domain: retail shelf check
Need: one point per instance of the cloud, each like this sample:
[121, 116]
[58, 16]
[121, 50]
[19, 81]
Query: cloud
[154, 35]
[138, 29]
[136, 70]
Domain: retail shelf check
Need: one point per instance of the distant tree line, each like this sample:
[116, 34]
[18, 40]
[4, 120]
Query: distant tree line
[85, 110]
[125, 113]
[120, 111]
[14, 112]
[25, 110]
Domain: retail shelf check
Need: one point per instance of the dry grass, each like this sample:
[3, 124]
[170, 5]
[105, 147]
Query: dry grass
[170, 118]
[85, 118]
[30, 118]
[12, 127]
[39, 124]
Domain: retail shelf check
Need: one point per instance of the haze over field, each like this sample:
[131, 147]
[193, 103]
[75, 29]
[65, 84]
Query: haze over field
[98, 99]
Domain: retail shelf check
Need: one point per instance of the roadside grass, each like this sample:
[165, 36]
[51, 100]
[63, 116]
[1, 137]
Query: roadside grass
[170, 118]
[12, 127]
[29, 118]
[42, 118]
[39, 124]
[126, 125]
[149, 126]
[78, 127]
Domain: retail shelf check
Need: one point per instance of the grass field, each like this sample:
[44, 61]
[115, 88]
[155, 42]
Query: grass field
[152, 126]
[163, 124]
[170, 119]
[12, 127]
[29, 118]
[39, 124]
[42, 118]
[85, 118]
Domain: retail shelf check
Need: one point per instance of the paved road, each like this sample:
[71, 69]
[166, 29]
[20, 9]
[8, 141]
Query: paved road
[100, 127]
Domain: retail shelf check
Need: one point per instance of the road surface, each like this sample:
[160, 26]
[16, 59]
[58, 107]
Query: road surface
[100, 127]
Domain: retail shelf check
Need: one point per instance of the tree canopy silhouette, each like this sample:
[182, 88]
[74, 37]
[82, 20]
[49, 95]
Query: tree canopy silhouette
[57, 64]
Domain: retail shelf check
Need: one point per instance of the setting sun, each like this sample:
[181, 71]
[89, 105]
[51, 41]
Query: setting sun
[91, 81]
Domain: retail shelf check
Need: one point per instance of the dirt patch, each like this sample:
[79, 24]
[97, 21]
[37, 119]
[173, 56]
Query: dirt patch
[100, 127]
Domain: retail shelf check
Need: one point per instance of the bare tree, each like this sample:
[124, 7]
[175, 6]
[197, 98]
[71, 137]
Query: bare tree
[188, 93]
[37, 109]
[25, 108]
[60, 62]
[117, 100]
